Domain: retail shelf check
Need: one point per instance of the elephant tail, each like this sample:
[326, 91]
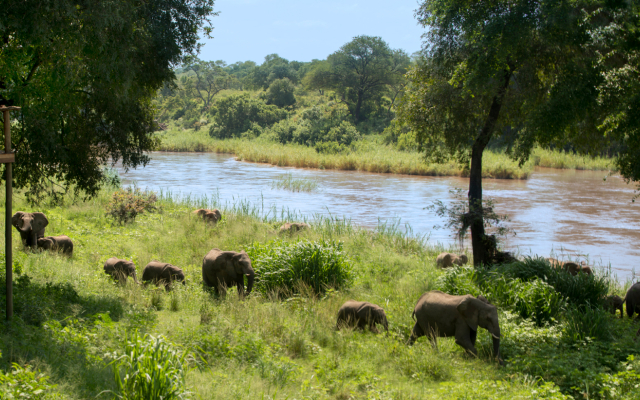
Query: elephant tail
[413, 315]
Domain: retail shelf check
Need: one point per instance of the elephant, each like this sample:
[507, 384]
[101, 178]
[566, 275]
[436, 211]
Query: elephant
[446, 260]
[439, 314]
[291, 227]
[31, 226]
[162, 274]
[361, 314]
[57, 243]
[209, 215]
[223, 269]
[120, 269]
[632, 300]
[613, 303]
[571, 267]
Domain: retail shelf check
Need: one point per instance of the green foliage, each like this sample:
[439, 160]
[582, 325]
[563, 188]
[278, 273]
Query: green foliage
[623, 385]
[126, 204]
[24, 383]
[284, 266]
[280, 93]
[587, 322]
[360, 73]
[150, 368]
[273, 68]
[85, 94]
[235, 114]
[208, 78]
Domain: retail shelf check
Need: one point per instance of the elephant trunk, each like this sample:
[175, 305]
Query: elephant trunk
[135, 278]
[496, 348]
[250, 277]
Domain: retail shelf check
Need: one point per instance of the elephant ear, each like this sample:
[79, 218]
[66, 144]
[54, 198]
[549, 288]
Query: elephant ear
[16, 220]
[40, 221]
[468, 308]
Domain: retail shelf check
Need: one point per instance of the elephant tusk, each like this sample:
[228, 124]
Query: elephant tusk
[495, 337]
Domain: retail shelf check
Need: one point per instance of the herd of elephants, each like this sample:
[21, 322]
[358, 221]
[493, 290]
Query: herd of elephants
[437, 314]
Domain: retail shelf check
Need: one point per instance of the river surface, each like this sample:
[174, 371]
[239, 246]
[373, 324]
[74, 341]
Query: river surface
[565, 213]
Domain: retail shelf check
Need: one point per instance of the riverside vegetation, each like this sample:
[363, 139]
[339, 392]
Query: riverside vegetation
[78, 334]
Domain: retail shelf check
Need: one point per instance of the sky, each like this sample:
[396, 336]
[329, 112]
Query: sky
[303, 30]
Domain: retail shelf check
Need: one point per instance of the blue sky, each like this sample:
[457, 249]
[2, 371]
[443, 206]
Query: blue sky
[302, 30]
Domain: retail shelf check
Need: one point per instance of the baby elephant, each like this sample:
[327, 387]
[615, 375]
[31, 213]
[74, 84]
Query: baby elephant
[120, 269]
[613, 303]
[446, 260]
[209, 215]
[571, 267]
[361, 314]
[162, 273]
[293, 227]
[61, 243]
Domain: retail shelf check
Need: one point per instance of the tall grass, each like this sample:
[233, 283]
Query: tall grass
[565, 160]
[288, 182]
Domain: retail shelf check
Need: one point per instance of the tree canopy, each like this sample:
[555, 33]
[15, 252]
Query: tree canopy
[84, 73]
[360, 72]
[533, 68]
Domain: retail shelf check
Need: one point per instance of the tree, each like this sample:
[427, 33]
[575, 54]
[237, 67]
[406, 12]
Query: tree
[208, 79]
[84, 73]
[526, 65]
[274, 67]
[362, 70]
[280, 93]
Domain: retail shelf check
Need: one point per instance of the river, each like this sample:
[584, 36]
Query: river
[574, 214]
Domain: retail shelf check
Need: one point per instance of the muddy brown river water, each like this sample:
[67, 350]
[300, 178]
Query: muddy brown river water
[572, 214]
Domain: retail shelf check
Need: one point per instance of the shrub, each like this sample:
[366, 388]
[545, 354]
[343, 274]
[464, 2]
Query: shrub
[283, 266]
[23, 383]
[280, 93]
[126, 204]
[150, 368]
[587, 322]
[235, 114]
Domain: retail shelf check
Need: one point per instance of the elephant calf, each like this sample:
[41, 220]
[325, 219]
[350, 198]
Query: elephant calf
[446, 260]
[439, 314]
[224, 269]
[360, 314]
[162, 274]
[120, 269]
[571, 267]
[614, 303]
[209, 215]
[291, 227]
[61, 243]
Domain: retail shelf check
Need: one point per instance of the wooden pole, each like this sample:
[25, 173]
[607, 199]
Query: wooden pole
[7, 159]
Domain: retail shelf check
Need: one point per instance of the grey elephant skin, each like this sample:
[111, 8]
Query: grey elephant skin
[120, 269]
[61, 243]
[224, 269]
[212, 216]
[359, 314]
[161, 273]
[446, 260]
[30, 225]
[613, 303]
[632, 300]
[439, 314]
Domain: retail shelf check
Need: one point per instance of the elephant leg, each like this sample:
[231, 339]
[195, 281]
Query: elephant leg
[473, 336]
[372, 327]
[463, 339]
[416, 333]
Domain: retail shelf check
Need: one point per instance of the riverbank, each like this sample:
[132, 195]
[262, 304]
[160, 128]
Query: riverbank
[371, 155]
[71, 320]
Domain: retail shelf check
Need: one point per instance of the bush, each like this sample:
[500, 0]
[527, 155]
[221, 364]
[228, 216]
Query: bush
[126, 204]
[235, 114]
[331, 148]
[280, 93]
[587, 322]
[150, 368]
[23, 383]
[283, 266]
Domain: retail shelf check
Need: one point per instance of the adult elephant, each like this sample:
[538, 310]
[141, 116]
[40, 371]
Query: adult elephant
[632, 300]
[439, 314]
[162, 274]
[360, 314]
[571, 267]
[61, 243]
[30, 225]
[446, 260]
[224, 269]
[120, 269]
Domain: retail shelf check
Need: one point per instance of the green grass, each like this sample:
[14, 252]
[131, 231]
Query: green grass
[72, 320]
[288, 182]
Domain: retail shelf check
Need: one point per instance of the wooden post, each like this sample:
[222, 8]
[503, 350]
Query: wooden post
[8, 158]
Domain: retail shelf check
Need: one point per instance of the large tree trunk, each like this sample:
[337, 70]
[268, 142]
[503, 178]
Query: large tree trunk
[480, 243]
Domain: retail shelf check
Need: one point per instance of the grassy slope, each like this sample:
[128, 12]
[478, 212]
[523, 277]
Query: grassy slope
[257, 347]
